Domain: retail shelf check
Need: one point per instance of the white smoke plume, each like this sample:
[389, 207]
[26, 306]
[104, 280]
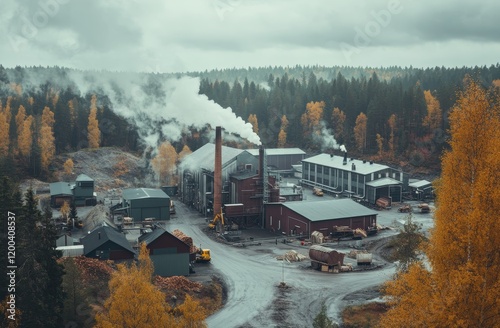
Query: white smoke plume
[324, 137]
[343, 148]
[164, 106]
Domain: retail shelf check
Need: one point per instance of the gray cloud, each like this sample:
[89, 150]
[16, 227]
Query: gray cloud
[155, 35]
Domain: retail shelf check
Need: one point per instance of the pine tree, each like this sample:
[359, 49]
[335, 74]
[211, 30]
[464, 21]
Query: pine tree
[322, 320]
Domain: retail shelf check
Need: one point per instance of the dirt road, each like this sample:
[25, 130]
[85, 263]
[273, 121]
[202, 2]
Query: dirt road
[252, 275]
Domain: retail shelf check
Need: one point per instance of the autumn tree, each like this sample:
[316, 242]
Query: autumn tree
[432, 120]
[192, 314]
[46, 138]
[134, 301]
[25, 137]
[68, 166]
[65, 211]
[462, 286]
[360, 131]
[338, 121]
[392, 127]
[4, 131]
[164, 163]
[252, 119]
[283, 132]
[94, 134]
[20, 117]
[312, 117]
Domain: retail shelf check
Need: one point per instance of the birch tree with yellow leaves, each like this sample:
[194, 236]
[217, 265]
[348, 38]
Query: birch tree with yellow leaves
[164, 163]
[461, 285]
[46, 139]
[94, 134]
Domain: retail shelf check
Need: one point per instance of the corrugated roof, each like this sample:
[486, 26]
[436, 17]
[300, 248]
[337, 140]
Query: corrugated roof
[60, 188]
[84, 177]
[148, 238]
[337, 162]
[383, 182]
[101, 235]
[278, 151]
[139, 193]
[329, 209]
[204, 157]
[420, 184]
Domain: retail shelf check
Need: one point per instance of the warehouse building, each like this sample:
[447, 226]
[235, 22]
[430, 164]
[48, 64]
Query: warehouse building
[81, 192]
[106, 243]
[281, 160]
[196, 186]
[169, 254]
[142, 203]
[302, 218]
[362, 180]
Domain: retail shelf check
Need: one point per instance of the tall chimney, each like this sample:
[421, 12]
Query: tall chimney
[344, 162]
[218, 171]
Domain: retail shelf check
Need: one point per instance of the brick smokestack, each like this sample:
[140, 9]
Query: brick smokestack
[218, 170]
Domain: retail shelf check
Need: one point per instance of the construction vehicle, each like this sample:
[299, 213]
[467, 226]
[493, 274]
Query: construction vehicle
[317, 191]
[217, 221]
[203, 255]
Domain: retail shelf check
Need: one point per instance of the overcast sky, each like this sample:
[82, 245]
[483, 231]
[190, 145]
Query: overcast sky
[192, 35]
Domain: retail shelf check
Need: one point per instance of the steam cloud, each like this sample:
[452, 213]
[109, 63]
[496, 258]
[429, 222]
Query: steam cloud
[342, 147]
[324, 137]
[164, 106]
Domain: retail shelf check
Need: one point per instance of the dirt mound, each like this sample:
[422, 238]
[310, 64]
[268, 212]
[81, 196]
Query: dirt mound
[110, 167]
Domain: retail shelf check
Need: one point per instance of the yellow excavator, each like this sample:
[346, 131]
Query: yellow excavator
[217, 221]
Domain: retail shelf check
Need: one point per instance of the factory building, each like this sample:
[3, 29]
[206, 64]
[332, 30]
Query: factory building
[81, 192]
[169, 254]
[281, 160]
[105, 243]
[142, 203]
[363, 180]
[302, 218]
[196, 186]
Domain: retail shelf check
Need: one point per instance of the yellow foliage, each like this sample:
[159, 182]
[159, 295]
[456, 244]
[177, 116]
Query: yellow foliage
[252, 119]
[380, 145]
[184, 152]
[360, 131]
[65, 210]
[4, 134]
[46, 138]
[164, 163]
[463, 285]
[20, 117]
[338, 120]
[282, 134]
[134, 301]
[68, 166]
[434, 113]
[312, 117]
[94, 134]
[25, 137]
[192, 314]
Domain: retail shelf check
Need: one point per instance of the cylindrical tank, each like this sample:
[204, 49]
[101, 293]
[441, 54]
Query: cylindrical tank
[326, 255]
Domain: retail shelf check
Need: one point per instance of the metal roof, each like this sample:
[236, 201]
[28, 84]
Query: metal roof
[383, 182]
[329, 209]
[148, 238]
[204, 157]
[337, 162]
[278, 151]
[84, 177]
[140, 193]
[103, 234]
[60, 188]
[420, 184]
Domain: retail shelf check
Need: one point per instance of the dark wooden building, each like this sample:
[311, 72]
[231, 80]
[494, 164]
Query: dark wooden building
[106, 243]
[169, 254]
[302, 218]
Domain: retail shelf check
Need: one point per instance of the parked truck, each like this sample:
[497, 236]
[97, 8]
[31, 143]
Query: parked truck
[325, 259]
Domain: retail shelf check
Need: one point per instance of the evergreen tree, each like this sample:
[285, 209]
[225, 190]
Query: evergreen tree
[322, 321]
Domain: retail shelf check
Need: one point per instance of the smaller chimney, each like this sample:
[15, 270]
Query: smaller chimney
[344, 162]
[353, 167]
[371, 162]
[99, 235]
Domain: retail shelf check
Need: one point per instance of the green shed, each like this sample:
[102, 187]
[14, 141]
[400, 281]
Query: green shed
[142, 203]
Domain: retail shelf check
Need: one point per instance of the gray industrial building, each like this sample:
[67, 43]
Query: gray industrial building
[81, 192]
[169, 254]
[142, 203]
[359, 179]
[281, 160]
[197, 175]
